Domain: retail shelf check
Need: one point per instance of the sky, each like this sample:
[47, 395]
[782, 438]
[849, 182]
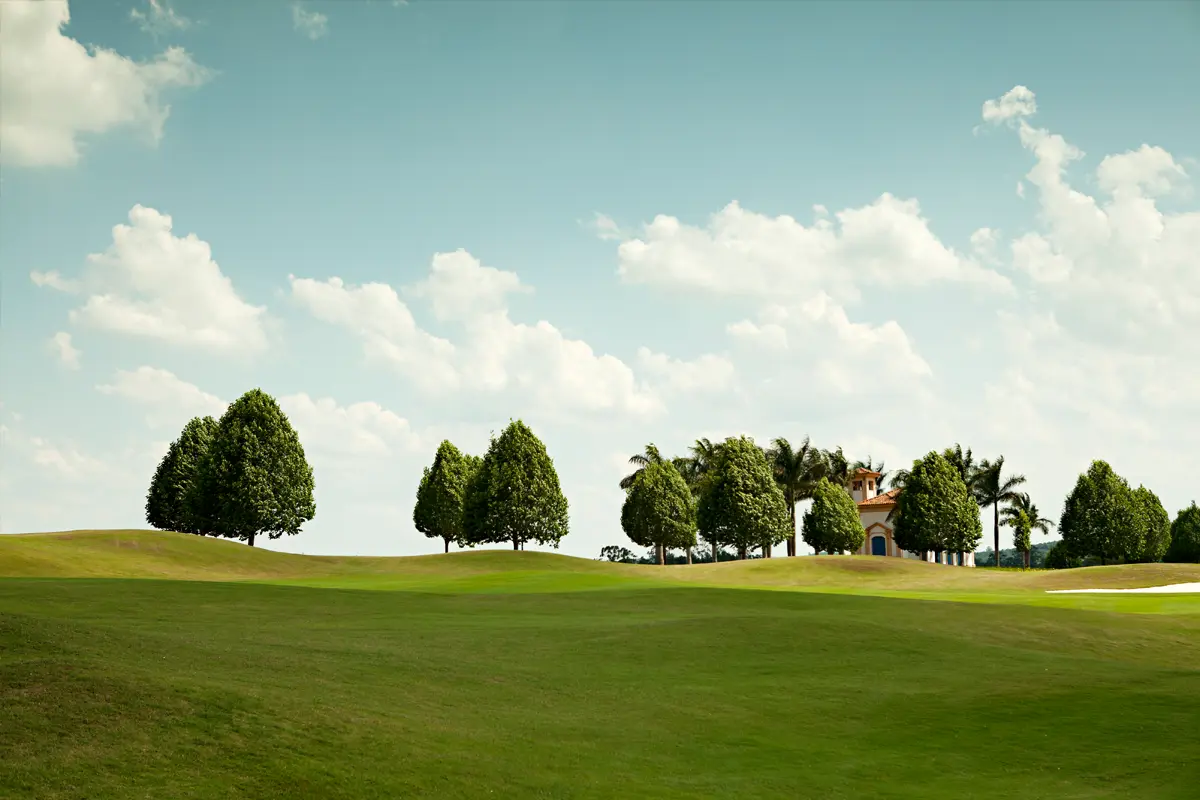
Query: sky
[886, 226]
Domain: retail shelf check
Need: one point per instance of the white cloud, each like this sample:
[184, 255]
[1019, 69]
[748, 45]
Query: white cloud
[375, 312]
[742, 253]
[605, 227]
[153, 284]
[535, 363]
[67, 354]
[1015, 103]
[169, 400]
[159, 18]
[364, 429]
[55, 89]
[708, 373]
[312, 24]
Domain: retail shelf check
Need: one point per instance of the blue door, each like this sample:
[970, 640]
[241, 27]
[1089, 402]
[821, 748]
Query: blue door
[878, 546]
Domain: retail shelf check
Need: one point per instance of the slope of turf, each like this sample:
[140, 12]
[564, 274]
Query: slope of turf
[143, 688]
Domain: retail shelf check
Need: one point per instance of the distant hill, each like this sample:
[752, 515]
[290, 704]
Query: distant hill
[1012, 558]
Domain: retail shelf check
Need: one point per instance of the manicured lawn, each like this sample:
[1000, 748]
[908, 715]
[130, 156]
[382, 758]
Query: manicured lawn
[578, 683]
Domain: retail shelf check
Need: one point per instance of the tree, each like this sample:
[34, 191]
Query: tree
[1154, 523]
[1060, 558]
[835, 467]
[964, 464]
[641, 461]
[616, 554]
[741, 504]
[515, 496]
[992, 489]
[832, 523]
[438, 512]
[1185, 537]
[254, 478]
[1099, 518]
[936, 512]
[659, 510]
[1023, 517]
[796, 471]
[166, 502]
[870, 466]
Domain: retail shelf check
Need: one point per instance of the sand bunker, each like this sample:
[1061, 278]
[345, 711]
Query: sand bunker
[1174, 588]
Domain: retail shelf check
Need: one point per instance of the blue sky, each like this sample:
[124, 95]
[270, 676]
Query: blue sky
[624, 222]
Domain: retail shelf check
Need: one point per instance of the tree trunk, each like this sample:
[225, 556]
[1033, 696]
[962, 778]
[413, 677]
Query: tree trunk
[661, 551]
[516, 543]
[689, 556]
[250, 539]
[741, 553]
[447, 540]
[996, 520]
[792, 541]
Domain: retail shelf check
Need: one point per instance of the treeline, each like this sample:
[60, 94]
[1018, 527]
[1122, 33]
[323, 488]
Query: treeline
[238, 477]
[511, 494]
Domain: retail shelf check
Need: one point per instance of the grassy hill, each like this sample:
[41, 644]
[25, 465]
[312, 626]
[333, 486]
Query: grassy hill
[137, 664]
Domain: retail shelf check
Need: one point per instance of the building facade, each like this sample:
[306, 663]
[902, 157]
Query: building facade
[875, 508]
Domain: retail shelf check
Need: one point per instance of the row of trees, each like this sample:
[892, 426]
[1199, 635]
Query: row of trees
[238, 477]
[511, 494]
[1106, 519]
[737, 493]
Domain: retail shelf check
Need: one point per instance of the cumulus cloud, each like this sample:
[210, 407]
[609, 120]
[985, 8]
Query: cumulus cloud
[169, 401]
[312, 24]
[708, 373]
[67, 354]
[55, 89]
[494, 354]
[1017, 102]
[159, 18]
[150, 283]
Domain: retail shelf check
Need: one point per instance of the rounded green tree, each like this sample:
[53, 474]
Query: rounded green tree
[740, 503]
[1099, 517]
[659, 510]
[254, 478]
[832, 523]
[515, 496]
[166, 506]
[1185, 537]
[1155, 525]
[438, 512]
[936, 511]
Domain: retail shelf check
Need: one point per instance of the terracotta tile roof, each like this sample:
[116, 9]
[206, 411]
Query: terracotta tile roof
[863, 473]
[888, 498]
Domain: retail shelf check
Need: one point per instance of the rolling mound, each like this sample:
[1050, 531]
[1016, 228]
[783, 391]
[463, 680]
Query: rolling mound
[175, 556]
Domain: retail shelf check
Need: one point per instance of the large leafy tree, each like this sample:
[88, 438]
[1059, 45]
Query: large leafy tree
[1023, 516]
[659, 510]
[1185, 537]
[796, 470]
[254, 478]
[515, 496]
[741, 504]
[832, 523]
[438, 512]
[1155, 525]
[166, 501]
[991, 488]
[1099, 518]
[936, 511]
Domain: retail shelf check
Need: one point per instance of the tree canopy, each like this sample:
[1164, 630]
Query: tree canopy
[935, 511]
[659, 510]
[438, 512]
[1154, 525]
[741, 504]
[832, 523]
[166, 506]
[254, 477]
[1185, 537]
[514, 495]
[1100, 518]
[796, 470]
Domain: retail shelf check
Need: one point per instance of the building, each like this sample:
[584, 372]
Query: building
[874, 507]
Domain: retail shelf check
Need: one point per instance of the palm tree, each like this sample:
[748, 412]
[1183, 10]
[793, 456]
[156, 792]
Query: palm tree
[796, 471]
[992, 489]
[1022, 505]
[835, 467]
[641, 461]
[964, 464]
[869, 466]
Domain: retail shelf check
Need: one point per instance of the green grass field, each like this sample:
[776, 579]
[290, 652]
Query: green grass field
[152, 665]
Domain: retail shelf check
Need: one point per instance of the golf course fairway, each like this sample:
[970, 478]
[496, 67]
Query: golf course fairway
[155, 665]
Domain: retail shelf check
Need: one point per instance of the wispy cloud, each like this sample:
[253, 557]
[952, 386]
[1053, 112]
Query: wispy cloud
[312, 24]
